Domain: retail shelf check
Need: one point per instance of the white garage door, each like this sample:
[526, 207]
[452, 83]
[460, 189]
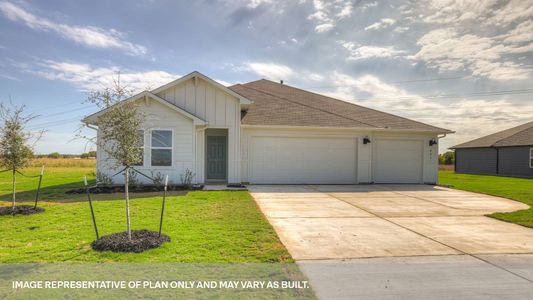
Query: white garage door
[398, 161]
[297, 160]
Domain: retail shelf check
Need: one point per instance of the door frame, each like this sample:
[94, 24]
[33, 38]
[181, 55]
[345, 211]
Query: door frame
[216, 132]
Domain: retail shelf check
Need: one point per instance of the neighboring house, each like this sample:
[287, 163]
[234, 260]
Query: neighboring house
[264, 132]
[508, 152]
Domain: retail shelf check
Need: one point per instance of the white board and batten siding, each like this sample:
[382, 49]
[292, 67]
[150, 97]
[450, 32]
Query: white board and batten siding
[199, 98]
[159, 116]
[336, 156]
[220, 110]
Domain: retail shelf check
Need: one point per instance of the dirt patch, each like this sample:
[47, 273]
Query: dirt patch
[132, 189]
[141, 240]
[20, 210]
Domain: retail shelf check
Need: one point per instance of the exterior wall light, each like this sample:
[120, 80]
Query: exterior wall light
[433, 142]
[366, 140]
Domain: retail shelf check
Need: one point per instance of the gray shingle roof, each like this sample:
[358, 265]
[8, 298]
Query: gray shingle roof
[280, 104]
[517, 136]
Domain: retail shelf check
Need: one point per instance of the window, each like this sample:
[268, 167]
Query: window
[531, 158]
[162, 148]
[140, 134]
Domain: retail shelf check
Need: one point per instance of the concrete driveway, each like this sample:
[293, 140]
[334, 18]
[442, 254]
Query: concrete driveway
[429, 241]
[340, 222]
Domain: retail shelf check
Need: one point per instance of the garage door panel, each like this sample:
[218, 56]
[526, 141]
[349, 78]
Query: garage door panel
[302, 160]
[398, 161]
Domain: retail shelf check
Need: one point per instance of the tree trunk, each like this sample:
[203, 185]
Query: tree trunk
[126, 191]
[13, 197]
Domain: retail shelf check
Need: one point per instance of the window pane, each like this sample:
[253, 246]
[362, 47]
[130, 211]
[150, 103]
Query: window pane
[161, 157]
[140, 134]
[161, 138]
[141, 154]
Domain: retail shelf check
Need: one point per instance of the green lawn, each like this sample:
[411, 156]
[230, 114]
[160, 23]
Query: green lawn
[205, 227]
[519, 189]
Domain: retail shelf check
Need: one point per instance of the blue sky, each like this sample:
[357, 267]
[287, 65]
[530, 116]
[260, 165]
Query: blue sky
[466, 66]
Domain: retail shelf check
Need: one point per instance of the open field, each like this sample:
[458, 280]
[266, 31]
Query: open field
[64, 162]
[205, 227]
[446, 167]
[519, 189]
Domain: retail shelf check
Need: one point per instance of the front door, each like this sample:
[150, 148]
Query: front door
[216, 157]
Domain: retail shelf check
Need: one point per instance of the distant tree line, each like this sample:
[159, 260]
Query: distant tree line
[447, 158]
[90, 154]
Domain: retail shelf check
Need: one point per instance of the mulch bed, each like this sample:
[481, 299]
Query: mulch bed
[20, 210]
[140, 240]
[132, 189]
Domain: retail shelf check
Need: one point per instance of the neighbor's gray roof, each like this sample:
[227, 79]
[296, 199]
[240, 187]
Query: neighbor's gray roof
[517, 136]
[280, 104]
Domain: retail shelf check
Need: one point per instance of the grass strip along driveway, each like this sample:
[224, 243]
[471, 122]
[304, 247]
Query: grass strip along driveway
[519, 189]
[205, 227]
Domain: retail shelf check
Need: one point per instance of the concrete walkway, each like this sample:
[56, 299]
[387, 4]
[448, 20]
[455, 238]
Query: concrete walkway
[413, 230]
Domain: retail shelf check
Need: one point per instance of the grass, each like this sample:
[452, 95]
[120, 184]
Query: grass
[519, 189]
[205, 227]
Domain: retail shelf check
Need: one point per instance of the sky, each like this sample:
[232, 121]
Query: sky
[462, 65]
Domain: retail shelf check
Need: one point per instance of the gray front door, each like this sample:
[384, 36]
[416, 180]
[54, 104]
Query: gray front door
[216, 157]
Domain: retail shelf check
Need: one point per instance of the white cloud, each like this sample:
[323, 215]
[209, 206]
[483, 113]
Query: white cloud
[328, 13]
[270, 70]
[514, 10]
[476, 117]
[446, 50]
[346, 11]
[88, 78]
[453, 11]
[522, 33]
[383, 23]
[365, 52]
[458, 12]
[324, 27]
[400, 29]
[368, 5]
[90, 36]
[255, 3]
[314, 77]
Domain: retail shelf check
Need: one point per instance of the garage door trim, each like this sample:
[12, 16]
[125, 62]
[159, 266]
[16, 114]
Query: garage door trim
[375, 158]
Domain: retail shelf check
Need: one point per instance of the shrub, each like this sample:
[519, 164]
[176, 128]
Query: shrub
[103, 179]
[158, 178]
[186, 178]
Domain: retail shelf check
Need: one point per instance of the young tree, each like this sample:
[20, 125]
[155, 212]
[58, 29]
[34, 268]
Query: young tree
[15, 148]
[119, 133]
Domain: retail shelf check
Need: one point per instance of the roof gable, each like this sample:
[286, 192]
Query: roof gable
[242, 99]
[92, 119]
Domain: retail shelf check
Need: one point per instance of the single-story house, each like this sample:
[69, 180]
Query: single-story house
[507, 153]
[265, 132]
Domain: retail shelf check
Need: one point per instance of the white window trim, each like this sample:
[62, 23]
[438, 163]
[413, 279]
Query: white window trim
[530, 158]
[144, 150]
[166, 148]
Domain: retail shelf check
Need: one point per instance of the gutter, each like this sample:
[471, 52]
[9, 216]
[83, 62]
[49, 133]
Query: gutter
[89, 125]
[380, 129]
